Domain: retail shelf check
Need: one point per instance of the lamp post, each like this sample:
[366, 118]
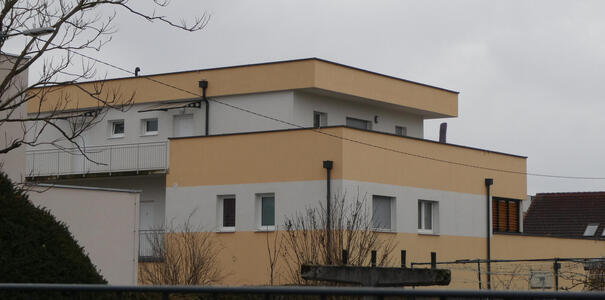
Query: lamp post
[34, 32]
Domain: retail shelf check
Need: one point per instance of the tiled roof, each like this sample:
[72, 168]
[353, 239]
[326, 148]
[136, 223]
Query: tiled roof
[566, 214]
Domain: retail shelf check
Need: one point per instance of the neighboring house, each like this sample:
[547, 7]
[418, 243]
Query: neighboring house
[255, 154]
[98, 218]
[13, 162]
[574, 214]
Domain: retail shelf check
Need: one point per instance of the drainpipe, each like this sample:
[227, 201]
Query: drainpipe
[328, 164]
[204, 85]
[488, 184]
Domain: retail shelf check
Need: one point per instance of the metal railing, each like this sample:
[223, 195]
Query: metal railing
[97, 159]
[216, 292]
[147, 239]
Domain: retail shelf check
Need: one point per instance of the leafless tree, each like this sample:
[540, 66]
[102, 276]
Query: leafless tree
[185, 255]
[306, 237]
[71, 26]
[274, 248]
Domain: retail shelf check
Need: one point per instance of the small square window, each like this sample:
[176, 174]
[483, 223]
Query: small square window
[591, 229]
[320, 119]
[116, 128]
[401, 130]
[226, 213]
[266, 211]
[382, 213]
[149, 126]
[427, 216]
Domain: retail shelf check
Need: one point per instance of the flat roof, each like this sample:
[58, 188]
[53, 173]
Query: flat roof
[296, 74]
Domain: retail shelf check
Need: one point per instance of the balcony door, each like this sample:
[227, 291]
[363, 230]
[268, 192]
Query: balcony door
[183, 125]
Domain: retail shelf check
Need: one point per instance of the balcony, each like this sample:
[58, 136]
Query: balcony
[140, 157]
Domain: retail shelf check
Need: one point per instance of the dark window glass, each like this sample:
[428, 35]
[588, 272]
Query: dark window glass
[118, 127]
[358, 123]
[229, 212]
[151, 125]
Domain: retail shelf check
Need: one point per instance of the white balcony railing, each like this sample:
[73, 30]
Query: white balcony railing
[101, 159]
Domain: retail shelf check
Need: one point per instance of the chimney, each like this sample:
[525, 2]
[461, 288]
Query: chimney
[442, 132]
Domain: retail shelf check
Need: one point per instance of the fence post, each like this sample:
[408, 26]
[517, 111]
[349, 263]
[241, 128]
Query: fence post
[479, 272]
[403, 252]
[556, 266]
[433, 260]
[373, 258]
[345, 257]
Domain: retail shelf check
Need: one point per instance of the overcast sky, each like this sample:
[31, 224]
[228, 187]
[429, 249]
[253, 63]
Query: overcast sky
[530, 73]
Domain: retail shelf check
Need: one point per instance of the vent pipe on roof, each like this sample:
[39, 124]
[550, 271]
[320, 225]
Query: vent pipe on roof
[136, 71]
[442, 132]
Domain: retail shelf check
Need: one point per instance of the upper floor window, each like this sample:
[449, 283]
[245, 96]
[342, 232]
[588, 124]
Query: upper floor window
[116, 128]
[266, 211]
[150, 126]
[359, 123]
[401, 130]
[320, 119]
[382, 213]
[227, 213]
[428, 212]
[505, 215]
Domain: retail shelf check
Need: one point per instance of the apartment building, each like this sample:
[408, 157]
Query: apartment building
[245, 147]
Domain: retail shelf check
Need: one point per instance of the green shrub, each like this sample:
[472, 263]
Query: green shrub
[35, 247]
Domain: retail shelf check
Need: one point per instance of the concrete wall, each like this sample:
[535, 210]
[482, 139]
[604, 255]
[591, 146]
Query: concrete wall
[13, 162]
[152, 187]
[339, 109]
[104, 222]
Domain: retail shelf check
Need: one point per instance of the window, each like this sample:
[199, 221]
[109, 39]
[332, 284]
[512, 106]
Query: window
[358, 123]
[150, 126]
[427, 216]
[320, 119]
[227, 213]
[382, 212]
[401, 130]
[591, 229]
[505, 215]
[266, 211]
[116, 128]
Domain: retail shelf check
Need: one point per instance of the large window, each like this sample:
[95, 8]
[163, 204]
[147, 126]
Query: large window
[505, 214]
[382, 212]
[227, 213]
[428, 212]
[266, 211]
[359, 123]
[320, 119]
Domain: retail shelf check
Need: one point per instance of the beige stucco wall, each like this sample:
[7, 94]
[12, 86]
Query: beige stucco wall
[103, 221]
[13, 162]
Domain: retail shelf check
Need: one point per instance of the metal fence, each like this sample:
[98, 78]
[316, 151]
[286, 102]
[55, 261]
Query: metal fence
[147, 238]
[555, 274]
[211, 292]
[97, 159]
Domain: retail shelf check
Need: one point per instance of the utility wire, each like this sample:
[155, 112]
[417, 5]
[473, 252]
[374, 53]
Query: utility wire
[337, 136]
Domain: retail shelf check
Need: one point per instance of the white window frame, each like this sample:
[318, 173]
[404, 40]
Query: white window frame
[367, 122]
[259, 212]
[404, 130]
[434, 206]
[144, 131]
[111, 126]
[323, 119]
[392, 213]
[220, 211]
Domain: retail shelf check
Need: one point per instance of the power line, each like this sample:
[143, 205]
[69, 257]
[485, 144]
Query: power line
[341, 137]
